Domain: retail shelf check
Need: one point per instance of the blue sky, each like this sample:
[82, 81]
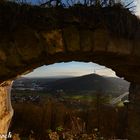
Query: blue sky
[70, 69]
[74, 68]
[125, 1]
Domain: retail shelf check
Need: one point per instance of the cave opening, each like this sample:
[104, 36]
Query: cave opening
[74, 98]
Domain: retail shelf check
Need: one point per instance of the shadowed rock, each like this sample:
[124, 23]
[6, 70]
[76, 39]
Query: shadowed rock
[32, 36]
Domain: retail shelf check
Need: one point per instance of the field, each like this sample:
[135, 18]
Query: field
[43, 116]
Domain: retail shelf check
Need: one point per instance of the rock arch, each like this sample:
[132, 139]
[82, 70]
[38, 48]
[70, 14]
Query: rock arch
[31, 36]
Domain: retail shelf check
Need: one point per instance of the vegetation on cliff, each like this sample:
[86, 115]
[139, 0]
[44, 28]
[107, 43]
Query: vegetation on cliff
[54, 14]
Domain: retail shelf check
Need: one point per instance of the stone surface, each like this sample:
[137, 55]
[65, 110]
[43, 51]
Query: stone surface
[101, 40]
[87, 40]
[54, 41]
[71, 39]
[53, 35]
[27, 44]
[6, 111]
[134, 112]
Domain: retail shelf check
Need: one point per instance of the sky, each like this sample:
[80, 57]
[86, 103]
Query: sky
[138, 8]
[70, 69]
[74, 68]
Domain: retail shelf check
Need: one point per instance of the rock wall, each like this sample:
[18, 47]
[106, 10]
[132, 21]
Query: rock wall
[6, 111]
[134, 112]
[32, 36]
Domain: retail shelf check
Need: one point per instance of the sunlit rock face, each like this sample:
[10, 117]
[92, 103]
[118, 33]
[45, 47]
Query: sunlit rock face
[6, 111]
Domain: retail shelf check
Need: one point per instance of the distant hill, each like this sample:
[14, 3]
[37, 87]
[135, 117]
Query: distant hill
[92, 82]
[80, 85]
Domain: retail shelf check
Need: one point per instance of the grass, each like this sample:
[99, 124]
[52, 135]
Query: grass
[81, 97]
[20, 93]
[120, 104]
[54, 115]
